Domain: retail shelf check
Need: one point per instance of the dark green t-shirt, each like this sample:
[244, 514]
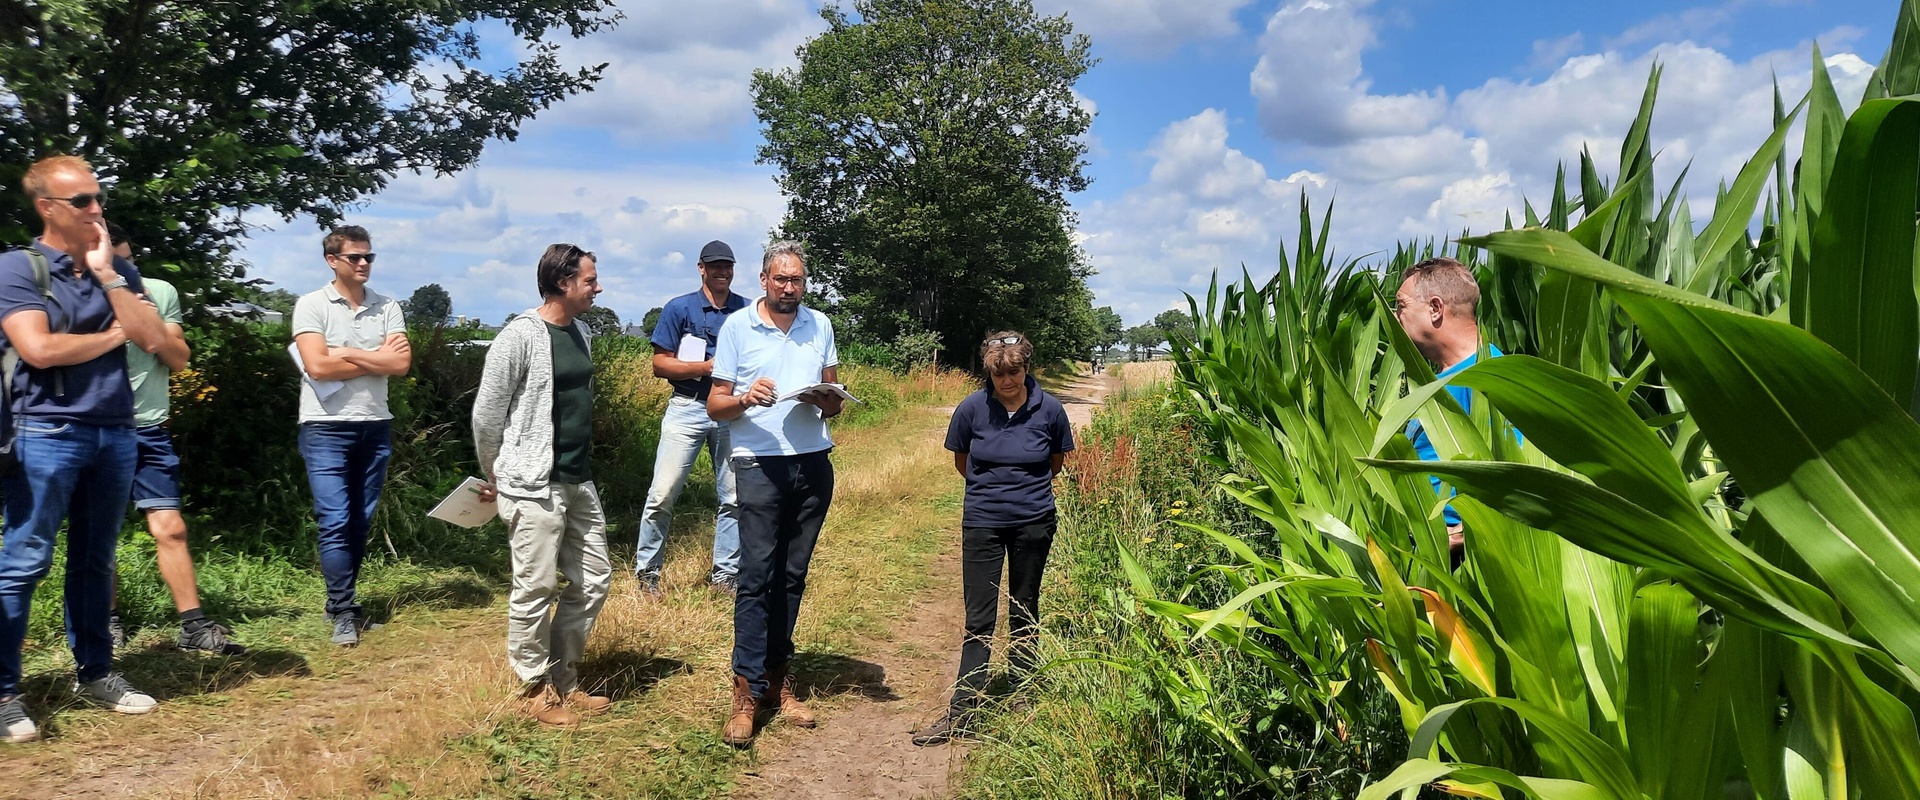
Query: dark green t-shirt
[572, 405]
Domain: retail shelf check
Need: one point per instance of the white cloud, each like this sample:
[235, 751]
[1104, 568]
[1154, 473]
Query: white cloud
[641, 221]
[1424, 164]
[682, 71]
[1147, 27]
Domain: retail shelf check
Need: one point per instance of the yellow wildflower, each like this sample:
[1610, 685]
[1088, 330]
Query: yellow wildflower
[1179, 545]
[1176, 511]
[1148, 540]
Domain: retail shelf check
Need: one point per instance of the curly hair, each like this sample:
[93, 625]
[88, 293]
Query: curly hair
[998, 357]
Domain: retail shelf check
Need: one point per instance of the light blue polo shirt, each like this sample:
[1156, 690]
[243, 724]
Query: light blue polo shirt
[750, 348]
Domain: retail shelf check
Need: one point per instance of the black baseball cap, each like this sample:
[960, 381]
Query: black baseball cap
[716, 250]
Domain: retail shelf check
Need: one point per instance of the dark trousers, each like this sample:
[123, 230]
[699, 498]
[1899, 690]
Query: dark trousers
[1023, 551]
[347, 468]
[783, 501]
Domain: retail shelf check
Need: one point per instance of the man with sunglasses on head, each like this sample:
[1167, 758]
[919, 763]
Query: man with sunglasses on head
[350, 339]
[68, 307]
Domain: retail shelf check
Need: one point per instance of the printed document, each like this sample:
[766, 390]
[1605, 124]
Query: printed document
[464, 507]
[832, 388]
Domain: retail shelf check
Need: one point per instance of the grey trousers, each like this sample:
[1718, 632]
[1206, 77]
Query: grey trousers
[563, 534]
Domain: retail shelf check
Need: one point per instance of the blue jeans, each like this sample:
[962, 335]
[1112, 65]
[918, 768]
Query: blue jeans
[683, 431]
[783, 503]
[82, 475]
[347, 468]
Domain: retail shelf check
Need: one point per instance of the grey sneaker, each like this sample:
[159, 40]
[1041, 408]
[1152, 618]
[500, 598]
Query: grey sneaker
[113, 692]
[728, 585]
[211, 637]
[346, 629]
[15, 726]
[650, 584]
[117, 630]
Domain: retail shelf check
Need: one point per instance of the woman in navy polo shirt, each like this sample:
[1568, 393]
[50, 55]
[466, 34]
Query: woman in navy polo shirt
[1008, 441]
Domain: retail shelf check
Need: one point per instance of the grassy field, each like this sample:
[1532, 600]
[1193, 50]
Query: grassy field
[425, 707]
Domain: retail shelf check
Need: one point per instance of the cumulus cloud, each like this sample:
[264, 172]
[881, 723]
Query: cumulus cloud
[1148, 27]
[682, 71]
[1426, 164]
[480, 233]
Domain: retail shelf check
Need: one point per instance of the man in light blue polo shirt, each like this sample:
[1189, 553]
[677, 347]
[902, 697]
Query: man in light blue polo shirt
[685, 428]
[782, 475]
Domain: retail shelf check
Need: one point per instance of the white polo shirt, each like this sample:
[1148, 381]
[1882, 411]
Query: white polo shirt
[326, 312]
[750, 348]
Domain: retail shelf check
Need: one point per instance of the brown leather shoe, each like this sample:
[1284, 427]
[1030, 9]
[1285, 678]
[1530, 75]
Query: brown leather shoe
[739, 729]
[791, 708]
[544, 705]
[587, 703]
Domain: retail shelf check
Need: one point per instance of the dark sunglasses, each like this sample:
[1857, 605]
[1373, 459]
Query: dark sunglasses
[84, 201]
[356, 258]
[1007, 340]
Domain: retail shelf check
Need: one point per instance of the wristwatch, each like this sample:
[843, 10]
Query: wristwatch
[117, 283]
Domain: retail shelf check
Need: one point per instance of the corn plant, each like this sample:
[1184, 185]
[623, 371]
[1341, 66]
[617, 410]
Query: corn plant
[1696, 577]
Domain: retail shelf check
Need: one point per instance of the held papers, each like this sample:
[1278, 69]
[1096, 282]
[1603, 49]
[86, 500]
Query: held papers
[693, 349]
[321, 389]
[464, 507]
[831, 388]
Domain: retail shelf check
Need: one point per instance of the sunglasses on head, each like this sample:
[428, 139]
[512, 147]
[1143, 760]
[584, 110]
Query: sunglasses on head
[356, 258]
[84, 201]
[1007, 340]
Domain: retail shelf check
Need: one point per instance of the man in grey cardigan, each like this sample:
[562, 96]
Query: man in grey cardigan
[533, 427]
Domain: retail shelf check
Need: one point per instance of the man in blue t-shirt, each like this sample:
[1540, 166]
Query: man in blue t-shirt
[72, 410]
[686, 428]
[1436, 304]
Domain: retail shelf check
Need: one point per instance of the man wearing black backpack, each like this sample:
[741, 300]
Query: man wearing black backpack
[68, 307]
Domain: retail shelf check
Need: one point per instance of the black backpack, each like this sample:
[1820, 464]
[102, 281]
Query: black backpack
[10, 365]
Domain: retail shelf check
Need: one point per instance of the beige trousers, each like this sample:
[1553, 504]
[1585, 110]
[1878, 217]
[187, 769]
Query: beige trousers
[562, 535]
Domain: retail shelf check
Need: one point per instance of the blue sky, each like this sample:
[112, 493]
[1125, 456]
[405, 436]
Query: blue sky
[1423, 117]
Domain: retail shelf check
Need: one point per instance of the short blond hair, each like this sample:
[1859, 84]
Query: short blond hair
[34, 183]
[999, 358]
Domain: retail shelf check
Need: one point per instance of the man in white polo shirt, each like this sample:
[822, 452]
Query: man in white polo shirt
[351, 339]
[783, 478]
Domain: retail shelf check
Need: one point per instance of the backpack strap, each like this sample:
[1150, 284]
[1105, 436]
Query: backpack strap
[43, 280]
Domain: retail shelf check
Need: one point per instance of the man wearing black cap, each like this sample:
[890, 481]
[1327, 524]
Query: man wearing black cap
[686, 427]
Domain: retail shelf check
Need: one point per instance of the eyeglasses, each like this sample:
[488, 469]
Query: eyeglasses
[83, 202]
[789, 280]
[356, 258]
[1007, 340]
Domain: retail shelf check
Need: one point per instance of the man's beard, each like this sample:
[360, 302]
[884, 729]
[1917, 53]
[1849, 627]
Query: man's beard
[784, 306]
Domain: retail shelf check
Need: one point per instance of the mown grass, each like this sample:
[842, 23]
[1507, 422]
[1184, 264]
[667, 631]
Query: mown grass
[424, 708]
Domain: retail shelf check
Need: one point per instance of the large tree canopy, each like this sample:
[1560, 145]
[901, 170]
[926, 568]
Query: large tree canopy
[926, 150]
[195, 111]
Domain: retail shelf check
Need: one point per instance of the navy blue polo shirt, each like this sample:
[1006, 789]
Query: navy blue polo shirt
[1009, 456]
[97, 391]
[693, 315]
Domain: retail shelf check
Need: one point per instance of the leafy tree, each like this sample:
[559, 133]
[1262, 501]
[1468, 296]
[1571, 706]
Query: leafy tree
[601, 321]
[429, 306]
[926, 151]
[194, 112]
[1110, 326]
[651, 318]
[1174, 324]
[279, 300]
[1143, 337]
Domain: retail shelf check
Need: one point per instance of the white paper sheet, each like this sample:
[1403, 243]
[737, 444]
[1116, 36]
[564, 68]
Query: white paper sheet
[822, 387]
[464, 507]
[692, 348]
[321, 389]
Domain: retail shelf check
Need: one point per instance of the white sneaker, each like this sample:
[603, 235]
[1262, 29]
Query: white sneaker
[113, 692]
[15, 726]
